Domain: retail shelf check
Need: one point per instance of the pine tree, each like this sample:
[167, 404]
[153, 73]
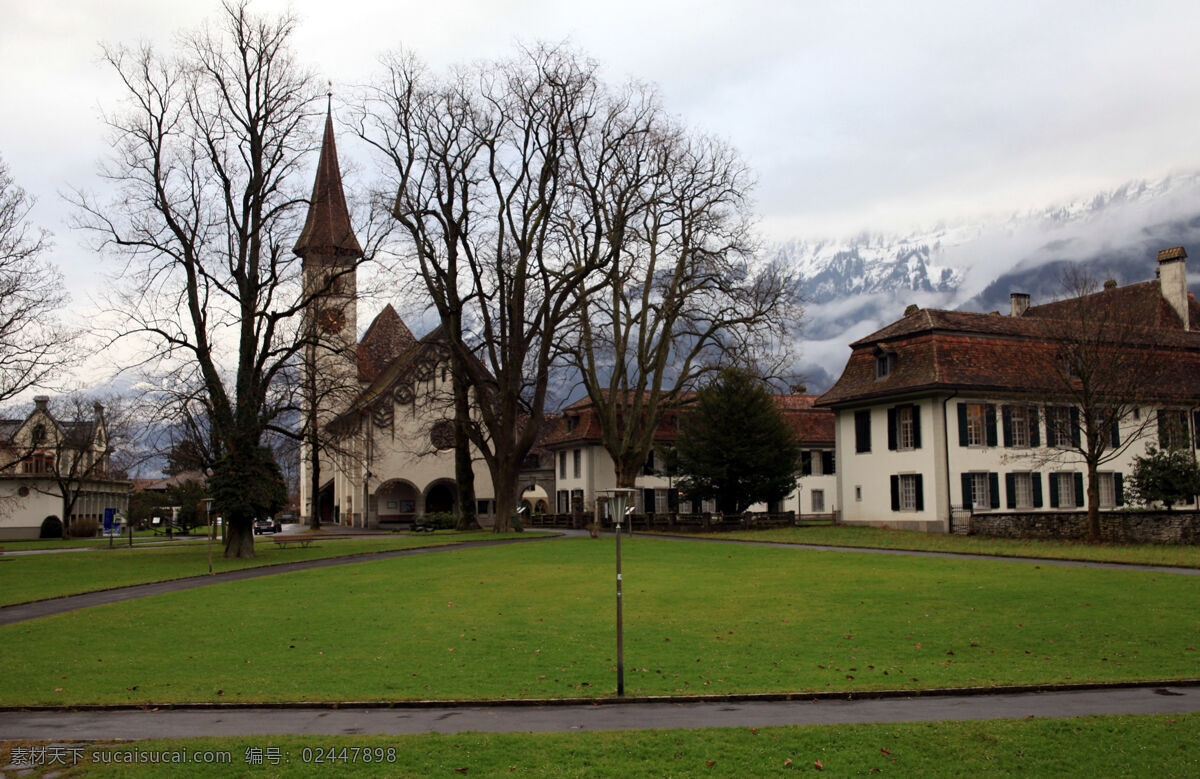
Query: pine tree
[735, 445]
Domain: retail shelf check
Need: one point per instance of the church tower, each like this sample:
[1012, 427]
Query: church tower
[329, 253]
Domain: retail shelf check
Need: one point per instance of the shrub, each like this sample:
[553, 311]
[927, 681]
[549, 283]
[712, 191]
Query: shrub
[439, 520]
[1168, 476]
[84, 527]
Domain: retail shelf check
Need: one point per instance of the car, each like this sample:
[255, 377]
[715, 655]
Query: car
[267, 526]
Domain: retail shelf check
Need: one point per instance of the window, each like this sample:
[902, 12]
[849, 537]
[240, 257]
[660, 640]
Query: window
[806, 462]
[818, 501]
[1066, 489]
[858, 493]
[976, 424]
[1062, 426]
[828, 463]
[907, 492]
[904, 428]
[577, 457]
[1024, 490]
[1020, 426]
[38, 463]
[662, 501]
[648, 468]
[884, 363]
[562, 465]
[981, 490]
[1112, 490]
[862, 431]
[1172, 429]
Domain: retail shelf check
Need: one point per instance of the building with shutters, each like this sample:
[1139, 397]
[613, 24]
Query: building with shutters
[942, 413]
[583, 467]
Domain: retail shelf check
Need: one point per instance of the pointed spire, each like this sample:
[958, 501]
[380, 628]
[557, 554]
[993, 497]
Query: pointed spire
[327, 232]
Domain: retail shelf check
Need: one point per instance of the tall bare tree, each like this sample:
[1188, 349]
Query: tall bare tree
[481, 164]
[683, 295]
[34, 346]
[208, 154]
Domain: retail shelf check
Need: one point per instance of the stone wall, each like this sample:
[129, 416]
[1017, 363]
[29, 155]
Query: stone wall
[1133, 527]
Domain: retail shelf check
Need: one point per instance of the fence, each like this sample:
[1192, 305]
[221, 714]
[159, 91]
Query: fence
[690, 523]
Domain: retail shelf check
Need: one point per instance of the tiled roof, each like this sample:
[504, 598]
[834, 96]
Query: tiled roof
[580, 424]
[385, 340]
[327, 232]
[957, 350]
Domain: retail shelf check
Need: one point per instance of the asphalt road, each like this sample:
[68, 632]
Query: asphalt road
[326, 721]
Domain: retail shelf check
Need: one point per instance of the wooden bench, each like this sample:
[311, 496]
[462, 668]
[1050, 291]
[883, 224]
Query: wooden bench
[304, 539]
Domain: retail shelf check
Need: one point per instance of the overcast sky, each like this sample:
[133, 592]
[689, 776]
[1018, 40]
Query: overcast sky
[855, 116]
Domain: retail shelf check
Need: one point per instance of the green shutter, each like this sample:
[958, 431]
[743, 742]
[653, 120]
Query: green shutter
[1053, 485]
[1010, 490]
[1006, 424]
[990, 419]
[916, 412]
[1075, 427]
[962, 424]
[1036, 478]
[1034, 436]
[892, 429]
[1115, 430]
[895, 493]
[994, 489]
[920, 490]
[1079, 496]
[966, 490]
[1119, 488]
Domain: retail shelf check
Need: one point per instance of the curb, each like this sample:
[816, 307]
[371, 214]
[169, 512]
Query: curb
[767, 697]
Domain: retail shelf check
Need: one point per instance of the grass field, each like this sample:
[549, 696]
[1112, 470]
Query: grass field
[536, 620]
[885, 538]
[1161, 746]
[33, 577]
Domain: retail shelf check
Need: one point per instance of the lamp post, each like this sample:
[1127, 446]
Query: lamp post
[212, 531]
[618, 499]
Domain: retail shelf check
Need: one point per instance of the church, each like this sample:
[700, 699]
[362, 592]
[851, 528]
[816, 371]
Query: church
[383, 404]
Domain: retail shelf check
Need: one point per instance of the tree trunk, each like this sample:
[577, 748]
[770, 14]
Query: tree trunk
[239, 537]
[506, 495]
[314, 481]
[1093, 505]
[464, 472]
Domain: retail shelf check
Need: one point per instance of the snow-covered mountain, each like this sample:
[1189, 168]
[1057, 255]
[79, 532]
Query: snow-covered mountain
[856, 285]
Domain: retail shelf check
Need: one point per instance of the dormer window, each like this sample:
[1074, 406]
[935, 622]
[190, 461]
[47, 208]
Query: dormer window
[885, 362]
[571, 424]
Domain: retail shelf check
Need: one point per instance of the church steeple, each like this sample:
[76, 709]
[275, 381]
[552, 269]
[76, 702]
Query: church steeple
[327, 234]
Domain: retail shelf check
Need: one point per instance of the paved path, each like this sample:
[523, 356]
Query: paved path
[44, 608]
[327, 721]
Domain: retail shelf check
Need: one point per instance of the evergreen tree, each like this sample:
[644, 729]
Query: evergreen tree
[1168, 476]
[735, 445]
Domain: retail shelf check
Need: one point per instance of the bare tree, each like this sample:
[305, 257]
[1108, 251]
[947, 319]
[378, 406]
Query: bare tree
[481, 163]
[1097, 371]
[207, 161]
[34, 346]
[683, 295]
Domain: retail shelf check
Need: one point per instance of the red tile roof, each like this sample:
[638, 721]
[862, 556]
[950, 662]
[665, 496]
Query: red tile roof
[957, 350]
[385, 340]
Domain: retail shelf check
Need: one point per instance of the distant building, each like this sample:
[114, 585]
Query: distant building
[584, 467]
[36, 453]
[936, 418]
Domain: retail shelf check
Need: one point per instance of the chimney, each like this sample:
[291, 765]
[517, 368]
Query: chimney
[1110, 284]
[1019, 302]
[41, 402]
[799, 389]
[1172, 281]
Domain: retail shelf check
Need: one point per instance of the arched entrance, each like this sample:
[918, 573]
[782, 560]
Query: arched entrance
[396, 501]
[535, 500]
[441, 497]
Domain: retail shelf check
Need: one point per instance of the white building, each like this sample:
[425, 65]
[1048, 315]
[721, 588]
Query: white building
[39, 456]
[939, 413]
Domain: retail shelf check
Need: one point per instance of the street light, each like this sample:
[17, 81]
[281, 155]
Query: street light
[618, 498]
[211, 530]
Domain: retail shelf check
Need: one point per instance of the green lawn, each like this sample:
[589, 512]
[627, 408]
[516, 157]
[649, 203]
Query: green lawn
[885, 538]
[34, 577]
[536, 620]
[1165, 746]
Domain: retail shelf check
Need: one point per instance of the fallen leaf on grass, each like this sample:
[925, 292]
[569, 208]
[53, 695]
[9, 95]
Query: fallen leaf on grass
[710, 763]
[819, 765]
